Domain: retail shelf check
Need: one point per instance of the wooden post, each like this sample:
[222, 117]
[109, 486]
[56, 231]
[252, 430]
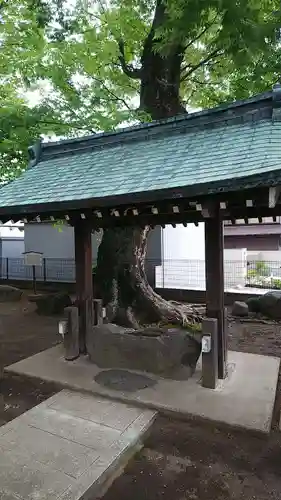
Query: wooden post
[44, 270]
[34, 280]
[210, 358]
[84, 282]
[71, 337]
[214, 269]
[97, 312]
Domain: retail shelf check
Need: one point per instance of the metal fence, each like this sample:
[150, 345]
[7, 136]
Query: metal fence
[177, 274]
[264, 274]
[190, 274]
[61, 270]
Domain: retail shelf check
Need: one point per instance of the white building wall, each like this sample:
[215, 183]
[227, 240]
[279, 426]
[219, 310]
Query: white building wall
[57, 247]
[183, 260]
[182, 243]
[53, 242]
[12, 248]
[265, 255]
[56, 243]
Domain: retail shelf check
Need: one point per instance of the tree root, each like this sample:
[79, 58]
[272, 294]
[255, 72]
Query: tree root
[122, 284]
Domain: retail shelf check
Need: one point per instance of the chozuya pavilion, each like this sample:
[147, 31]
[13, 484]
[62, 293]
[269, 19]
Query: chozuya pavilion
[214, 165]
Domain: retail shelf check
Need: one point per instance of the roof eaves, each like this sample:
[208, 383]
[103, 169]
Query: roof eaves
[197, 191]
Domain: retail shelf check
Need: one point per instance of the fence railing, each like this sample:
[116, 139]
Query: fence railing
[180, 274]
[190, 274]
[61, 270]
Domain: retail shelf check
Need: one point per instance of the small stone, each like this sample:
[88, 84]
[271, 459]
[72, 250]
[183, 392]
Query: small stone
[270, 304]
[52, 304]
[10, 293]
[240, 309]
[254, 304]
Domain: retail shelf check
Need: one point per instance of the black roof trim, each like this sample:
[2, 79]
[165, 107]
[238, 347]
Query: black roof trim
[141, 131]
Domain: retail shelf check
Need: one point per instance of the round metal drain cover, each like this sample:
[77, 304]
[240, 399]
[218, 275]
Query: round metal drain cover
[122, 380]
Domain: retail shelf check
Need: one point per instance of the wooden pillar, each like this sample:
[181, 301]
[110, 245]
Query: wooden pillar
[84, 282]
[214, 270]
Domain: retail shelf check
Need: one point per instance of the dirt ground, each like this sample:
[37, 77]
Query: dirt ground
[23, 333]
[180, 460]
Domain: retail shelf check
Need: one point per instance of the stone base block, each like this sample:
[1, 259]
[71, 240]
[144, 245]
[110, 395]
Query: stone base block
[151, 350]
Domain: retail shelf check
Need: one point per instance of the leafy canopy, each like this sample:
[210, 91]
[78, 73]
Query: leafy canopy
[71, 67]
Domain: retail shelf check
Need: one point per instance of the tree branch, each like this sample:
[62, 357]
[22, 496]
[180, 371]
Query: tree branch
[110, 92]
[199, 82]
[208, 26]
[212, 55]
[69, 125]
[128, 70]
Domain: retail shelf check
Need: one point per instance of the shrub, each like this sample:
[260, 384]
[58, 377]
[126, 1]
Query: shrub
[276, 283]
[262, 269]
[252, 273]
[253, 304]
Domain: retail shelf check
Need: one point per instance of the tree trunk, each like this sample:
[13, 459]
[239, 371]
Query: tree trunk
[122, 283]
[161, 73]
[120, 275]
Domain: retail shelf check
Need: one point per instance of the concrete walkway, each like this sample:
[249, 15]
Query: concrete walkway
[70, 447]
[244, 399]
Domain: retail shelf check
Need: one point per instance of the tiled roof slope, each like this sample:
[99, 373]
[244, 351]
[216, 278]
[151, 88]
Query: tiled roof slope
[214, 147]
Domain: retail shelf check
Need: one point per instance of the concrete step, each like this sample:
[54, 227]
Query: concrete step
[70, 447]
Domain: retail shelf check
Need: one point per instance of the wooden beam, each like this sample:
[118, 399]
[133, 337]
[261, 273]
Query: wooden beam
[214, 270]
[144, 220]
[84, 280]
[273, 195]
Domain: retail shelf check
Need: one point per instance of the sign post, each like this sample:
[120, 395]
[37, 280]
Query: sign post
[33, 259]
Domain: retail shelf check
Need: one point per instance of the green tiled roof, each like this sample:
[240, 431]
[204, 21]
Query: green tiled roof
[185, 153]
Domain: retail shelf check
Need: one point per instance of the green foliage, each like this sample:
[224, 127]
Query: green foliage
[191, 328]
[252, 273]
[276, 283]
[262, 269]
[194, 328]
[61, 70]
[59, 225]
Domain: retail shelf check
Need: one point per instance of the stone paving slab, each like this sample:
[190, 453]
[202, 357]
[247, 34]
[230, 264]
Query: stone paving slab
[67, 447]
[244, 399]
